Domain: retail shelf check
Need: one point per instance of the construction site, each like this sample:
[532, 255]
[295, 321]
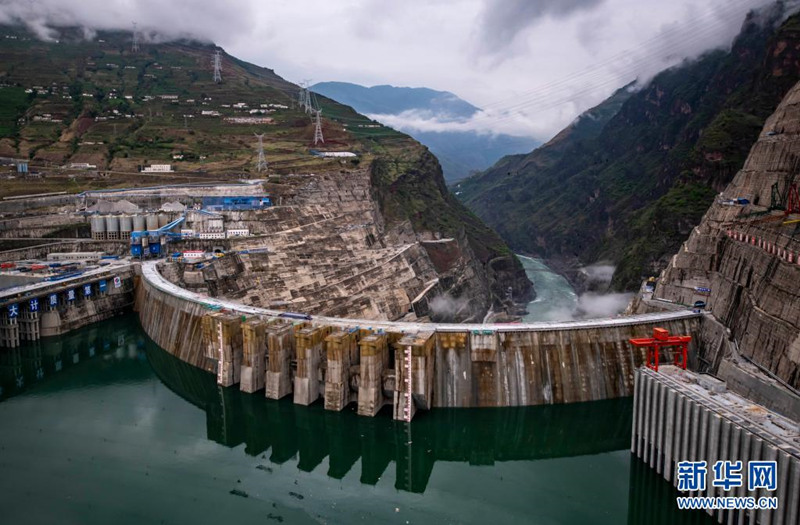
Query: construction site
[286, 247]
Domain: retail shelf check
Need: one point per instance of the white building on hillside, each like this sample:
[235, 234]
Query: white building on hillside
[158, 168]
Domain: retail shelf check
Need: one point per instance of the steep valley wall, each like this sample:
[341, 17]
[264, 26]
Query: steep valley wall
[327, 249]
[743, 261]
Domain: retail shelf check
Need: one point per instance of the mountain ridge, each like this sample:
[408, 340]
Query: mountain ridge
[633, 192]
[461, 152]
[97, 103]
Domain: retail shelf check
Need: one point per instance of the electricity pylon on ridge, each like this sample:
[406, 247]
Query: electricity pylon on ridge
[135, 44]
[261, 163]
[304, 97]
[318, 129]
[217, 67]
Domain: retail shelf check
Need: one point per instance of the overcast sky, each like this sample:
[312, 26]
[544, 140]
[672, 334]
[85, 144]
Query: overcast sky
[534, 65]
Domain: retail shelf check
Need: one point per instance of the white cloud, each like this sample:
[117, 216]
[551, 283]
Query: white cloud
[482, 122]
[533, 66]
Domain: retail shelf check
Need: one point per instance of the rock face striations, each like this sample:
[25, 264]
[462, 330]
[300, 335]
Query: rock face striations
[743, 261]
[328, 250]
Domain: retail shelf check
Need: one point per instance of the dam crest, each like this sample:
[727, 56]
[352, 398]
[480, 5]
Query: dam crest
[407, 365]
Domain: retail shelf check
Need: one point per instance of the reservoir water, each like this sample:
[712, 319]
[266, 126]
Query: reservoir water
[103, 426]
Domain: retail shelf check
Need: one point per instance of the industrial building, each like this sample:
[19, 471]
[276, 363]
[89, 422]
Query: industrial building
[237, 203]
[158, 168]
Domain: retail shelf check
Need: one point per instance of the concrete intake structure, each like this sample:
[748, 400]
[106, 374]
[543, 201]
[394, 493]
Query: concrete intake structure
[49, 308]
[410, 366]
[683, 416]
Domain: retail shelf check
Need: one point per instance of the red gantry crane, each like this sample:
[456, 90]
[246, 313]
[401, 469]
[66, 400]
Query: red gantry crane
[662, 339]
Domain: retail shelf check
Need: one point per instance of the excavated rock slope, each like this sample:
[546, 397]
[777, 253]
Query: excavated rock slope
[747, 256]
[327, 250]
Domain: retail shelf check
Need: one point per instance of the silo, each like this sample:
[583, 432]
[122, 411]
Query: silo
[98, 226]
[138, 223]
[112, 227]
[216, 225]
[125, 227]
[163, 219]
[152, 222]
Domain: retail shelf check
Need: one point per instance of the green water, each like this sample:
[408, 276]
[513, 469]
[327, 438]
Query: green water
[555, 300]
[102, 426]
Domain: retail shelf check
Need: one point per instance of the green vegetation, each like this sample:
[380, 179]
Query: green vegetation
[13, 102]
[97, 102]
[630, 187]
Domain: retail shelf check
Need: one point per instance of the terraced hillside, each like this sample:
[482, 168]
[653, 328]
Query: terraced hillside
[87, 114]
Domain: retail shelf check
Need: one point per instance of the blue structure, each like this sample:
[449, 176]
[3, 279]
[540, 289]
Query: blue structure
[154, 236]
[242, 203]
[22, 166]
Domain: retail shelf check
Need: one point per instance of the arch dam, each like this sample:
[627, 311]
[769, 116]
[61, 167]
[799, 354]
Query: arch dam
[410, 366]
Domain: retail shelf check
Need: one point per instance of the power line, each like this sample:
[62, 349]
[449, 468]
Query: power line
[553, 94]
[548, 98]
[703, 30]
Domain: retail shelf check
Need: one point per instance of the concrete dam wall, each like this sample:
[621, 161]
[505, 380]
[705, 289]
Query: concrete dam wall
[409, 366]
[41, 309]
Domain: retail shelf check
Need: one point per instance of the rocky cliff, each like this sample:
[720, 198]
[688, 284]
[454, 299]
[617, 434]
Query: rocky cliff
[631, 188]
[743, 262]
[343, 260]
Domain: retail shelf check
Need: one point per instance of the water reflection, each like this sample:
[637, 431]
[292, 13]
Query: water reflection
[115, 340]
[281, 431]
[474, 436]
[267, 434]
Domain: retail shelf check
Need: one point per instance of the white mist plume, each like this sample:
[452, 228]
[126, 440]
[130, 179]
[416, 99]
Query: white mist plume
[447, 307]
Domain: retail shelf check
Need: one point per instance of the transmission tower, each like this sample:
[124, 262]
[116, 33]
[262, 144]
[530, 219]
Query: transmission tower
[261, 163]
[318, 129]
[135, 45]
[304, 97]
[217, 67]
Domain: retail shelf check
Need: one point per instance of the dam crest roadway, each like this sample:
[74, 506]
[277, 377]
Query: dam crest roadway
[151, 275]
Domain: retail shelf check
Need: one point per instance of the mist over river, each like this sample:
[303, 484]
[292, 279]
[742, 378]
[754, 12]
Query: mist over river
[556, 299]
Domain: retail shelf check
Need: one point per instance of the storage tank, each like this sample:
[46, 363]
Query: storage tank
[98, 227]
[112, 227]
[163, 219]
[125, 226]
[152, 222]
[138, 223]
[112, 224]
